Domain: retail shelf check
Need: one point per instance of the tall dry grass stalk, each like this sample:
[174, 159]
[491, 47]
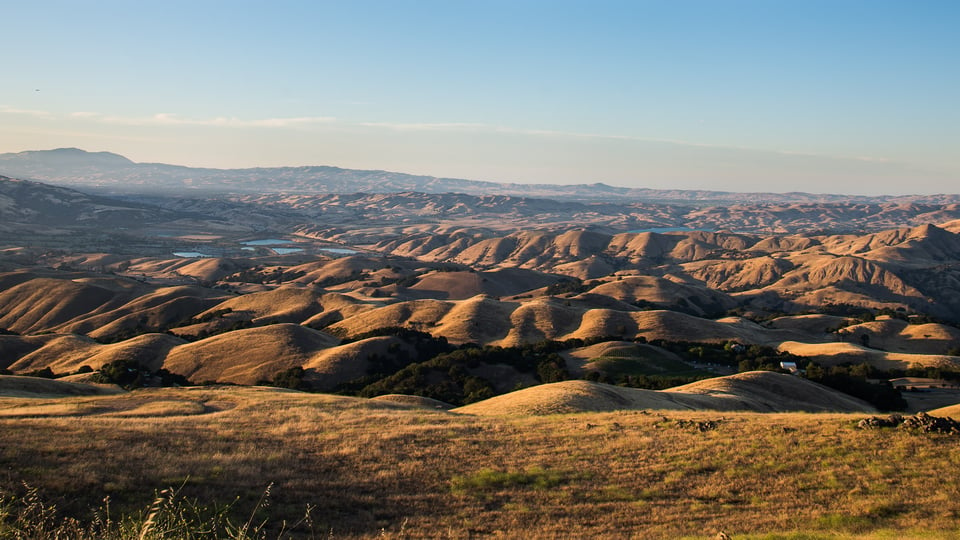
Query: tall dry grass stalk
[153, 513]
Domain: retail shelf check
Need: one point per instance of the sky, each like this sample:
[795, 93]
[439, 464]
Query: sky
[839, 96]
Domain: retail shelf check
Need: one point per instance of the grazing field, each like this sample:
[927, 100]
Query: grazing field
[371, 468]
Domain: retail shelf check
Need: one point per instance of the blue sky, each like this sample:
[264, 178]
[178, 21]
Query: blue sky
[763, 95]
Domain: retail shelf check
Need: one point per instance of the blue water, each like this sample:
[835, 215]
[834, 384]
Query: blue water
[266, 242]
[190, 254]
[669, 229]
[286, 251]
[340, 251]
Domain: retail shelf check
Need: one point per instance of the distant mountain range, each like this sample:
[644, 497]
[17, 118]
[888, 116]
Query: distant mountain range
[113, 173]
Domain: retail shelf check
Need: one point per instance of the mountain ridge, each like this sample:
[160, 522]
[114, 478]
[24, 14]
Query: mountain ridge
[112, 173]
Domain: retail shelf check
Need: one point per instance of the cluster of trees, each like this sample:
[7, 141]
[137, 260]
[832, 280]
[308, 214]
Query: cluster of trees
[290, 378]
[401, 281]
[647, 382]
[730, 353]
[852, 380]
[259, 274]
[454, 376]
[571, 286]
[131, 374]
[424, 365]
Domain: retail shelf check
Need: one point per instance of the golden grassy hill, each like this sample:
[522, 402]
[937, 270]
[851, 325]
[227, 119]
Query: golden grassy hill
[448, 250]
[337, 307]
[691, 248]
[842, 352]
[415, 244]
[952, 411]
[488, 321]
[739, 275]
[417, 314]
[813, 299]
[463, 285]
[604, 322]
[153, 310]
[336, 365]
[580, 244]
[62, 354]
[338, 270]
[605, 348]
[416, 401]
[489, 252]
[588, 268]
[453, 285]
[573, 250]
[533, 249]
[148, 350]
[283, 304]
[767, 391]
[516, 280]
[659, 290]
[42, 304]
[952, 226]
[13, 276]
[247, 356]
[12, 386]
[208, 269]
[540, 319]
[927, 243]
[787, 243]
[674, 326]
[850, 273]
[589, 300]
[751, 391]
[600, 356]
[572, 397]
[896, 335]
[94, 261]
[636, 247]
[13, 348]
[476, 320]
[816, 325]
[97, 306]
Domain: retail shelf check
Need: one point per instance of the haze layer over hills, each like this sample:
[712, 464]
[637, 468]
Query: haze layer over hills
[117, 174]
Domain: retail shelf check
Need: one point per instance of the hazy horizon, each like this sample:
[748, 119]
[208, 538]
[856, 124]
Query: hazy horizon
[821, 97]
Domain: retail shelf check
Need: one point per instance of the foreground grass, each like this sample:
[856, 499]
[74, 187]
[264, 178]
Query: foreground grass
[362, 469]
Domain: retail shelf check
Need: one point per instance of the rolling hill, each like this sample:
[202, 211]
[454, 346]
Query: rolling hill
[751, 391]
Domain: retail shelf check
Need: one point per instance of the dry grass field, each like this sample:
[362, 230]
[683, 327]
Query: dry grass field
[375, 468]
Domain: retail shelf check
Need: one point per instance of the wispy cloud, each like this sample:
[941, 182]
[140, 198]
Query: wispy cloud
[26, 112]
[427, 126]
[170, 119]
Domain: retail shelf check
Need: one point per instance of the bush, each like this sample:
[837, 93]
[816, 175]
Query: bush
[291, 378]
[45, 373]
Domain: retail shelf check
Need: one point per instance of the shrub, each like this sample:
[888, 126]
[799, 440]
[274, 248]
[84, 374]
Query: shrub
[45, 373]
[486, 480]
[291, 378]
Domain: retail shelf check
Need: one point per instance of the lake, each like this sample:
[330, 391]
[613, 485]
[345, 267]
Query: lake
[266, 242]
